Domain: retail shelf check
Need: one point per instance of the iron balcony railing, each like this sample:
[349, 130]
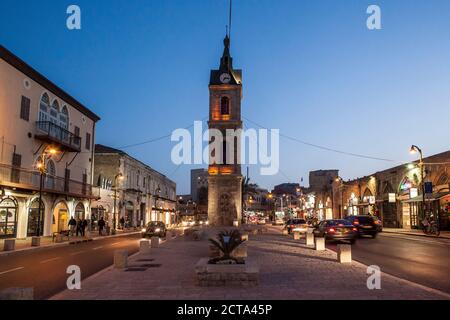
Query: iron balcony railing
[21, 178]
[51, 132]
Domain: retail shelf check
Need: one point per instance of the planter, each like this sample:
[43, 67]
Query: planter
[234, 275]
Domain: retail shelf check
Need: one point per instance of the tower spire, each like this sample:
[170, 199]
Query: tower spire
[230, 19]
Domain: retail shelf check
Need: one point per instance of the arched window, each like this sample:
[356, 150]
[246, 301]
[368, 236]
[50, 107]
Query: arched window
[54, 112]
[35, 220]
[44, 109]
[51, 174]
[225, 106]
[64, 118]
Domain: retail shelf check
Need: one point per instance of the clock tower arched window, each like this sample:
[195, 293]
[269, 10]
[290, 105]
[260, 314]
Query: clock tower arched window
[224, 106]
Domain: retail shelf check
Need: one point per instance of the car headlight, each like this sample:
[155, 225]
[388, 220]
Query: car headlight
[157, 230]
[144, 230]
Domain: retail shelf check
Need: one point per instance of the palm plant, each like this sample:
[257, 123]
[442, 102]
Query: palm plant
[227, 242]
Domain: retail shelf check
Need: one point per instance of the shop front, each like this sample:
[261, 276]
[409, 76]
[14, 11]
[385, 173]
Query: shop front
[129, 213]
[8, 217]
[35, 221]
[411, 204]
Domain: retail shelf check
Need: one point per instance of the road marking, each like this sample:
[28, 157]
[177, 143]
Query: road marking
[76, 253]
[97, 248]
[416, 238]
[50, 260]
[12, 270]
[115, 243]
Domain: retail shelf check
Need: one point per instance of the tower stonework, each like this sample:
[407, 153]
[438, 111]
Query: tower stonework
[225, 179]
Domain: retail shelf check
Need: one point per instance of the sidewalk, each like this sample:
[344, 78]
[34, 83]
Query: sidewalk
[288, 271]
[414, 232]
[47, 242]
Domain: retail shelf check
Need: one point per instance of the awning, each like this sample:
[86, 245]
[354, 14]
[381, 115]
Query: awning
[433, 197]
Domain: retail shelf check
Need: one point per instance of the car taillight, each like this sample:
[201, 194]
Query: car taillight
[377, 222]
[292, 226]
[356, 222]
[355, 229]
[331, 230]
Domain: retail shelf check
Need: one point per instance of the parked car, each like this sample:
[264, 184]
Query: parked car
[278, 222]
[299, 225]
[337, 230]
[367, 225]
[154, 229]
[261, 220]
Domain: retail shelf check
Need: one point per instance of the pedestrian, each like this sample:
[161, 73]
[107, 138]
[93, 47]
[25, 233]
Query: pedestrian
[72, 226]
[84, 224]
[79, 224]
[122, 222]
[101, 224]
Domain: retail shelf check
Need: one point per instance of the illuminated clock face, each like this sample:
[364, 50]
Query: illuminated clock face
[225, 78]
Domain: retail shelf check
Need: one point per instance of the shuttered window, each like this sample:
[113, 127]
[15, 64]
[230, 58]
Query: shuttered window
[25, 109]
[88, 141]
[15, 171]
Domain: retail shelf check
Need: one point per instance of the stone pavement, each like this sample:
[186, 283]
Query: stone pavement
[413, 232]
[288, 271]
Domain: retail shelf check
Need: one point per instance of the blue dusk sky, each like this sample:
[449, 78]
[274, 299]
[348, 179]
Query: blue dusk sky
[310, 68]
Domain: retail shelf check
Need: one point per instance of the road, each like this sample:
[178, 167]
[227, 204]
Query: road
[422, 260]
[45, 270]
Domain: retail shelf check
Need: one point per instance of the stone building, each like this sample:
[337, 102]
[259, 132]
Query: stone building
[42, 129]
[142, 195]
[225, 179]
[199, 185]
[395, 194]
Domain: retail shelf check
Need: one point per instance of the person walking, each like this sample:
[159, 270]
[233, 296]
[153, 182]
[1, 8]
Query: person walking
[84, 224]
[122, 222]
[72, 225]
[101, 225]
[79, 224]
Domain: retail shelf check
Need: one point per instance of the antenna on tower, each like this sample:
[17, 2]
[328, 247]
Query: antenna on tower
[230, 19]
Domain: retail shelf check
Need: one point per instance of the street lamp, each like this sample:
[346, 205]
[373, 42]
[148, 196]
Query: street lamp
[120, 177]
[46, 153]
[415, 149]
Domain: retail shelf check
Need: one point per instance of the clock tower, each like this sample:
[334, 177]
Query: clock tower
[225, 179]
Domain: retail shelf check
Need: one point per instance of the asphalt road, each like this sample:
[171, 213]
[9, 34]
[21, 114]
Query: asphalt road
[45, 270]
[423, 260]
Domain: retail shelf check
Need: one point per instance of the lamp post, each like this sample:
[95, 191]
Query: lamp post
[118, 176]
[415, 149]
[47, 153]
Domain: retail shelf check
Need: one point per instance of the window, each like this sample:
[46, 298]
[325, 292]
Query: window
[25, 109]
[64, 118]
[15, 171]
[44, 106]
[54, 113]
[88, 141]
[225, 106]
[76, 132]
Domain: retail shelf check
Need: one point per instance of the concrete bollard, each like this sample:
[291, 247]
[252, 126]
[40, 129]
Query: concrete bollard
[144, 246]
[9, 245]
[17, 294]
[344, 253]
[120, 259]
[320, 244]
[35, 241]
[236, 223]
[309, 239]
[155, 242]
[244, 237]
[285, 232]
[297, 235]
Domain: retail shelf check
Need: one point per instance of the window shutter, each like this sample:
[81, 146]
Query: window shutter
[15, 171]
[66, 180]
[84, 183]
[25, 109]
[88, 141]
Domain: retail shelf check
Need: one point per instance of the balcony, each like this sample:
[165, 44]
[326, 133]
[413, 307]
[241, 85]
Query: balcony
[24, 179]
[52, 133]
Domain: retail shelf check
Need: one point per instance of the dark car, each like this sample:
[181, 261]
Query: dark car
[299, 225]
[154, 229]
[367, 225]
[339, 229]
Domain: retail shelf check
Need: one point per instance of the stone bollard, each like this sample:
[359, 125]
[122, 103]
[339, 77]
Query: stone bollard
[9, 245]
[244, 237]
[320, 244]
[120, 259]
[144, 246]
[236, 223]
[155, 242]
[285, 232]
[344, 253]
[309, 239]
[297, 235]
[17, 294]
[35, 241]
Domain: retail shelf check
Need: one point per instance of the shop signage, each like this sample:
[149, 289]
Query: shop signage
[428, 187]
[392, 197]
[413, 192]
[407, 185]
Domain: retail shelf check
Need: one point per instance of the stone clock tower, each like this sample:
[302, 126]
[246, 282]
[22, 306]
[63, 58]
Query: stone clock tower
[225, 179]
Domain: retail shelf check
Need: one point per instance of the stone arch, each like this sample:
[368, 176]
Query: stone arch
[60, 215]
[388, 188]
[367, 193]
[442, 179]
